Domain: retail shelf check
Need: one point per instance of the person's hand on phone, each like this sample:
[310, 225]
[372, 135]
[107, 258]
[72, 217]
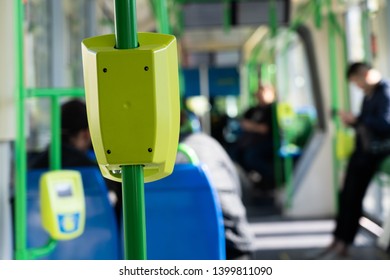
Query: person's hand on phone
[347, 118]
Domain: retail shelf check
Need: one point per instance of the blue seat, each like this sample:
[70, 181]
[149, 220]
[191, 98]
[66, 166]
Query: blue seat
[100, 239]
[183, 217]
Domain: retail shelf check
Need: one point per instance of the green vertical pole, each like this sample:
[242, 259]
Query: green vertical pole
[55, 147]
[334, 97]
[288, 159]
[227, 22]
[276, 146]
[21, 250]
[301, 17]
[340, 31]
[180, 19]
[289, 167]
[253, 82]
[134, 225]
[20, 144]
[134, 212]
[365, 26]
[273, 21]
[163, 25]
[126, 24]
[318, 13]
[265, 76]
[273, 24]
[182, 87]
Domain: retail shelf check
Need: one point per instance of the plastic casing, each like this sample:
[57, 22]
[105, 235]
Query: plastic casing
[133, 106]
[62, 204]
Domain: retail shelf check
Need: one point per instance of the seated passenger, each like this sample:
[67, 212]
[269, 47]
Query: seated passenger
[76, 142]
[254, 148]
[224, 177]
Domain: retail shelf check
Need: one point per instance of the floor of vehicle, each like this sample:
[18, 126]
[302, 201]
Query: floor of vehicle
[281, 238]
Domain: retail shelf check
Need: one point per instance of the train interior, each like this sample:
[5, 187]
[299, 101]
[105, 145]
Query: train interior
[225, 49]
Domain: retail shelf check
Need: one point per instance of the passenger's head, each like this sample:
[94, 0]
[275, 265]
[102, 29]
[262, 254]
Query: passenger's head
[363, 75]
[265, 94]
[74, 125]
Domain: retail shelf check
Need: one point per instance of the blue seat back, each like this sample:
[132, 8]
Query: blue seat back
[183, 217]
[100, 239]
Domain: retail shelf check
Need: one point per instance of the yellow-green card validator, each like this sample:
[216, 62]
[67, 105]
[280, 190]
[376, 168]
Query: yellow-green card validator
[133, 106]
[62, 204]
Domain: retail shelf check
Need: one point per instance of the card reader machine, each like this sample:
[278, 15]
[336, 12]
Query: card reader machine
[62, 204]
[132, 98]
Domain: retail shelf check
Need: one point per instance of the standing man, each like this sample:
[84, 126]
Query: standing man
[372, 146]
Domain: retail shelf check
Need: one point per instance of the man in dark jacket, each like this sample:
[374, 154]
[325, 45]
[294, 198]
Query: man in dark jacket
[372, 124]
[255, 146]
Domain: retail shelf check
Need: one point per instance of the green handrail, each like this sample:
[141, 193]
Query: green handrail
[189, 153]
[227, 21]
[55, 147]
[288, 161]
[52, 92]
[366, 34]
[161, 11]
[273, 20]
[20, 145]
[126, 24]
[21, 251]
[336, 29]
[302, 16]
[36, 253]
[276, 147]
[134, 212]
[318, 13]
[179, 28]
[343, 37]
[134, 224]
[162, 15]
[55, 94]
[332, 47]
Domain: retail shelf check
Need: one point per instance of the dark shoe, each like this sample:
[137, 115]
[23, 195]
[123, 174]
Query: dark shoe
[234, 254]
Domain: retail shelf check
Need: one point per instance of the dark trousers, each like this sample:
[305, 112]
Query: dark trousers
[257, 157]
[260, 158]
[361, 169]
